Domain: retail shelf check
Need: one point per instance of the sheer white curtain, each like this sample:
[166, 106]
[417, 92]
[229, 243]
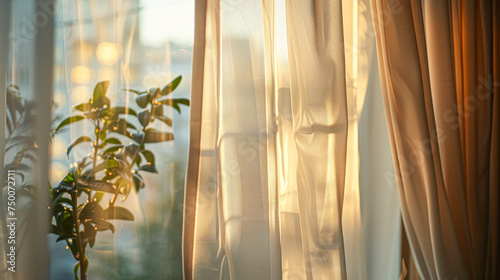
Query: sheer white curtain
[372, 251]
[273, 186]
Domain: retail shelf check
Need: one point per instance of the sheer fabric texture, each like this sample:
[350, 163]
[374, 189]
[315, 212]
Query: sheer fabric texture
[26, 49]
[273, 187]
[439, 68]
[107, 41]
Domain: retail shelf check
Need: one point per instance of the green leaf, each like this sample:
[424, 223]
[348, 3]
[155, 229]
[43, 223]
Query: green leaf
[110, 175]
[101, 102]
[97, 186]
[143, 99]
[125, 186]
[84, 107]
[69, 179]
[91, 211]
[129, 125]
[112, 150]
[154, 92]
[57, 209]
[183, 101]
[107, 164]
[83, 163]
[172, 86]
[138, 160]
[118, 213]
[66, 202]
[155, 136]
[76, 268]
[14, 99]
[149, 168]
[66, 236]
[117, 111]
[74, 248]
[62, 188]
[131, 149]
[76, 142]
[64, 221]
[157, 110]
[138, 181]
[113, 140]
[98, 196]
[125, 110]
[167, 121]
[174, 103]
[144, 117]
[21, 142]
[130, 90]
[138, 136]
[121, 127]
[55, 230]
[102, 135]
[89, 233]
[100, 90]
[149, 156]
[104, 225]
[125, 174]
[65, 122]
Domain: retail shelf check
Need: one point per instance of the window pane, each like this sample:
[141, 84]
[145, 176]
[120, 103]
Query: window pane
[135, 45]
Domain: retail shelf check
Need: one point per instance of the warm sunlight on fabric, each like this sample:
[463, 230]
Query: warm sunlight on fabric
[80, 94]
[84, 52]
[80, 74]
[171, 20]
[108, 53]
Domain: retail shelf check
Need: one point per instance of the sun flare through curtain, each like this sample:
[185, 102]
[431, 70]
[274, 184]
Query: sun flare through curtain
[278, 120]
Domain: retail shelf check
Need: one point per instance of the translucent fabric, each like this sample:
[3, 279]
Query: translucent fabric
[130, 44]
[26, 50]
[273, 183]
[374, 252]
[439, 68]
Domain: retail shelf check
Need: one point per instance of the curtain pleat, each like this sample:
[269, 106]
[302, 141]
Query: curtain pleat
[371, 218]
[201, 225]
[273, 188]
[319, 113]
[493, 248]
[437, 64]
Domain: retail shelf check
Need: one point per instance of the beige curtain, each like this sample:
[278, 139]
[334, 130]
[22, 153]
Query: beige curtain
[439, 65]
[273, 186]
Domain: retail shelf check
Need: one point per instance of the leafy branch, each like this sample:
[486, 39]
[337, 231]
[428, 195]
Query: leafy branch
[112, 168]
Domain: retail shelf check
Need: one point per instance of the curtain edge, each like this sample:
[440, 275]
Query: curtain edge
[190, 190]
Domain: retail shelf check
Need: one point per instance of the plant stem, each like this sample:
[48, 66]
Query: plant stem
[96, 144]
[81, 250]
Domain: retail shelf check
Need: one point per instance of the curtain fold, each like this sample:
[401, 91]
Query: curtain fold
[273, 181]
[319, 114]
[27, 36]
[439, 72]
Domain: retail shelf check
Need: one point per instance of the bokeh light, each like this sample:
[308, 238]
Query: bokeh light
[108, 53]
[80, 75]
